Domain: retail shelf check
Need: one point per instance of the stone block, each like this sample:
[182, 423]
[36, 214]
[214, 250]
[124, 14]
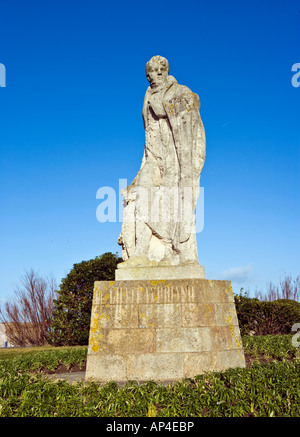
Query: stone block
[159, 272]
[217, 291]
[159, 315]
[195, 314]
[128, 341]
[226, 314]
[235, 337]
[162, 329]
[106, 367]
[162, 291]
[184, 339]
[222, 338]
[155, 366]
[199, 362]
[231, 358]
[115, 316]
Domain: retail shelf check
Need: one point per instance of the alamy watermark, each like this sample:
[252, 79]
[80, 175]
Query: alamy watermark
[154, 204]
[296, 77]
[295, 341]
[2, 76]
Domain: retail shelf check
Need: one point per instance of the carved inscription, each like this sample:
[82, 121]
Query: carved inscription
[161, 294]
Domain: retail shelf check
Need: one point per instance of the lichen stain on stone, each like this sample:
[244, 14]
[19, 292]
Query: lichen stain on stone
[144, 319]
[106, 297]
[157, 282]
[229, 291]
[231, 327]
[96, 336]
[93, 336]
[103, 317]
[94, 345]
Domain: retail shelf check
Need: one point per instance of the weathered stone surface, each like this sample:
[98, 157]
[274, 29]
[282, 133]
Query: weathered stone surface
[159, 215]
[199, 362]
[158, 366]
[226, 313]
[230, 358]
[130, 341]
[222, 339]
[124, 273]
[116, 316]
[196, 315]
[160, 315]
[106, 367]
[184, 340]
[162, 291]
[166, 329]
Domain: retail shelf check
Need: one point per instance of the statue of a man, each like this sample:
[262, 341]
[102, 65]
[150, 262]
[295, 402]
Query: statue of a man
[159, 215]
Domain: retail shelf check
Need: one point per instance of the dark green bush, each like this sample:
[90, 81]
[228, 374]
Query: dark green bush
[264, 317]
[70, 322]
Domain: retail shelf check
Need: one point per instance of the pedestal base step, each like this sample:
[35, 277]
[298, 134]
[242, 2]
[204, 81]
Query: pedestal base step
[160, 272]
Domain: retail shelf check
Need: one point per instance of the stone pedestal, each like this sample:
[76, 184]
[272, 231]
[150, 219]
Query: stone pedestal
[160, 272]
[162, 329]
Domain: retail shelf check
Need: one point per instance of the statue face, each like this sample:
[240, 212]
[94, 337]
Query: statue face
[157, 73]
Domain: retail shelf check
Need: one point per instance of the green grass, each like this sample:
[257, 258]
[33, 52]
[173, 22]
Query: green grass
[45, 357]
[277, 347]
[9, 353]
[270, 389]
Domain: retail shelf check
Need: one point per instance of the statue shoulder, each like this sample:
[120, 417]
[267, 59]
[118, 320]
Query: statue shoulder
[182, 92]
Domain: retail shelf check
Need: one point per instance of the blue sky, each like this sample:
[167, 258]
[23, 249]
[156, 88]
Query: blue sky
[70, 123]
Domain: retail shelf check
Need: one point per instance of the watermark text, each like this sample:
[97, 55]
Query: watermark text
[295, 341]
[296, 77]
[2, 76]
[152, 204]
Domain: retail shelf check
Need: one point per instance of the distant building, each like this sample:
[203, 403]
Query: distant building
[28, 333]
[4, 342]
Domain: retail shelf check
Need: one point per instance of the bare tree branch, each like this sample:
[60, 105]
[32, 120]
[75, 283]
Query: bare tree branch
[288, 289]
[27, 317]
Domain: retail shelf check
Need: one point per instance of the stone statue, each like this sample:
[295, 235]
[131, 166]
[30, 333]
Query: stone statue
[159, 205]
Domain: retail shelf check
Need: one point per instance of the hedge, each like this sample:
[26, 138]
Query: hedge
[266, 318]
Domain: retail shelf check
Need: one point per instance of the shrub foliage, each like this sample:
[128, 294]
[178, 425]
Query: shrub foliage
[70, 322]
[264, 317]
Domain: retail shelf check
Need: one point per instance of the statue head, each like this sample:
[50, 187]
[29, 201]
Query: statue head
[157, 70]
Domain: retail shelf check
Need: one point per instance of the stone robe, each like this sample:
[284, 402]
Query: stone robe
[159, 214]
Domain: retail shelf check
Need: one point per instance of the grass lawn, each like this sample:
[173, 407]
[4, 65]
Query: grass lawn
[268, 387]
[13, 352]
